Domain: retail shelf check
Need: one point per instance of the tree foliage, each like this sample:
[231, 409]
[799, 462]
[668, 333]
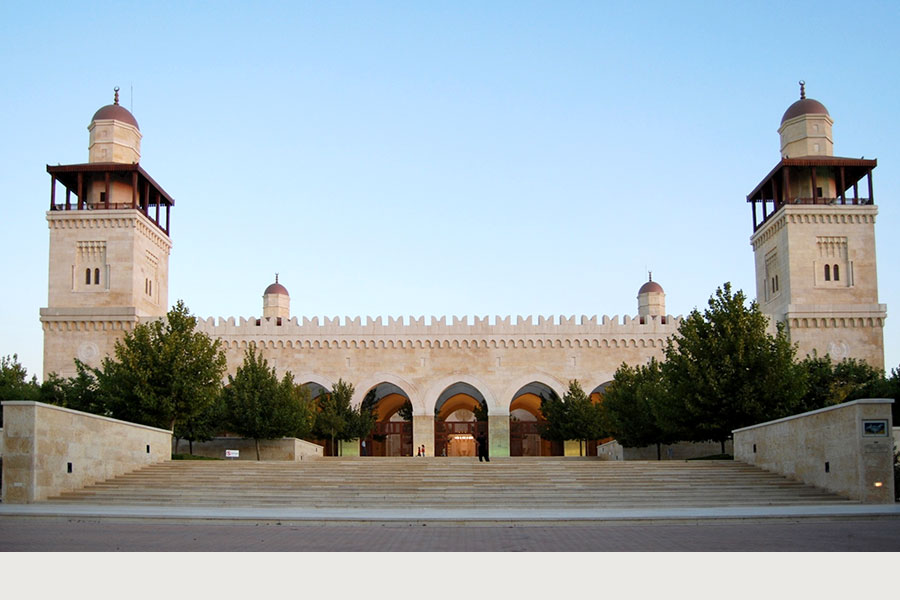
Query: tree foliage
[724, 371]
[164, 373]
[14, 382]
[829, 383]
[631, 404]
[572, 417]
[259, 406]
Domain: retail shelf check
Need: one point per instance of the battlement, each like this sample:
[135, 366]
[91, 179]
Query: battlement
[409, 332]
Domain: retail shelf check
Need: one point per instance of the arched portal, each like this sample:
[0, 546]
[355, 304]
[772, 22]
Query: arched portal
[460, 420]
[596, 397]
[526, 420]
[393, 433]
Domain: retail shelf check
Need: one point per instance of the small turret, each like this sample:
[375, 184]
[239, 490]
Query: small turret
[114, 135]
[651, 299]
[276, 301]
[806, 128]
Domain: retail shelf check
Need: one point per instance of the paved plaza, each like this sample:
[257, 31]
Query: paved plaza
[852, 529]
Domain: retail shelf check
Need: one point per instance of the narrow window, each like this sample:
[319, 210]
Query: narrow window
[776, 283]
[837, 273]
[102, 197]
[87, 277]
[96, 276]
[827, 272]
[818, 192]
[150, 288]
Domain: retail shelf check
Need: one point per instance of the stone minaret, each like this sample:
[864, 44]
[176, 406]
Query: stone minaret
[109, 246]
[814, 241]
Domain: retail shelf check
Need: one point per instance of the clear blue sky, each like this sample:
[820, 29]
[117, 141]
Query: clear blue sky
[442, 158]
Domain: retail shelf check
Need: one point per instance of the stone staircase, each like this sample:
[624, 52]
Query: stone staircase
[447, 483]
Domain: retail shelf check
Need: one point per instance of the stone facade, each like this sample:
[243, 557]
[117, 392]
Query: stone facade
[285, 449]
[815, 253]
[109, 271]
[831, 448]
[49, 450]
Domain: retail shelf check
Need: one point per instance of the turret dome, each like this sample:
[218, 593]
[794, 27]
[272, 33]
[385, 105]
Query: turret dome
[115, 112]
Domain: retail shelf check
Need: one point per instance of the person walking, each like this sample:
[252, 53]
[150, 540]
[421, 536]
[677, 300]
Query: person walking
[481, 441]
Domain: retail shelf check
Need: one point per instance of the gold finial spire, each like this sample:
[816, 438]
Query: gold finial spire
[649, 275]
[802, 90]
[276, 277]
[116, 99]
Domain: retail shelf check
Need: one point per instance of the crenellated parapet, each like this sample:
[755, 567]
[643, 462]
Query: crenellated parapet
[444, 332]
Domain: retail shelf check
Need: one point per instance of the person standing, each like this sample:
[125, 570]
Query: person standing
[481, 441]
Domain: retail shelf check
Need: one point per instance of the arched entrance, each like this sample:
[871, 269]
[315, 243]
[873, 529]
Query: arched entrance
[525, 421]
[460, 418]
[393, 433]
[596, 397]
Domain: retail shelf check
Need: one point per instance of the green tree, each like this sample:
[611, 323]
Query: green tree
[259, 406]
[556, 421]
[334, 419]
[724, 371]
[80, 392]
[829, 383]
[630, 406]
[164, 372]
[585, 419]
[14, 382]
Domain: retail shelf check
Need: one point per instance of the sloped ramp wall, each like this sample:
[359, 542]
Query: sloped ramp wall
[289, 449]
[846, 449]
[49, 450]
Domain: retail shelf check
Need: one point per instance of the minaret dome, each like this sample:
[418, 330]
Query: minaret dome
[276, 301]
[114, 135]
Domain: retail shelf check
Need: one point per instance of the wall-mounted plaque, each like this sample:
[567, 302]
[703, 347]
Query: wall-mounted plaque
[875, 428]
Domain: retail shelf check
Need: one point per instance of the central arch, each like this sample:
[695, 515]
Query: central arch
[393, 433]
[526, 420]
[460, 419]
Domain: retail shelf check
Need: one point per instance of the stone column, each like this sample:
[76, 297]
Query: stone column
[423, 433]
[498, 434]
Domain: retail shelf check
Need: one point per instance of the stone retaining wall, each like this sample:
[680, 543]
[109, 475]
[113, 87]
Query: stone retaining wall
[290, 449]
[50, 450]
[846, 449]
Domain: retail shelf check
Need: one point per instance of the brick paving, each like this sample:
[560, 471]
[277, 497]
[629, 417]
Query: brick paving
[22, 534]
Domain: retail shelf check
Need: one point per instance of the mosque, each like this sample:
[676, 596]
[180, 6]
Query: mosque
[813, 239]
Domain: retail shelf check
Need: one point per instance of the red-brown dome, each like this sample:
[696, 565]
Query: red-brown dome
[117, 112]
[805, 106]
[651, 287]
[276, 288]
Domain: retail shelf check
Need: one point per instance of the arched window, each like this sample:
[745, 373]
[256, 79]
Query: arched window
[96, 276]
[837, 274]
[87, 277]
[827, 272]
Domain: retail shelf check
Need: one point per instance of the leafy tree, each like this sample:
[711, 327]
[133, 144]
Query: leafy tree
[14, 383]
[259, 406]
[480, 411]
[80, 392]
[630, 406]
[406, 411]
[724, 371]
[556, 423]
[334, 419]
[829, 383]
[584, 416]
[164, 372]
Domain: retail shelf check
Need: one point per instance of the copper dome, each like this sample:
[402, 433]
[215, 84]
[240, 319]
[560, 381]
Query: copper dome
[651, 287]
[114, 111]
[806, 106]
[276, 288]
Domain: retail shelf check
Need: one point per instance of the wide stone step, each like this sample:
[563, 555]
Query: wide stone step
[440, 483]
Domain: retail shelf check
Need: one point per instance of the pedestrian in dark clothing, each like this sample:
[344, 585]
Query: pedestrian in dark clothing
[482, 448]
